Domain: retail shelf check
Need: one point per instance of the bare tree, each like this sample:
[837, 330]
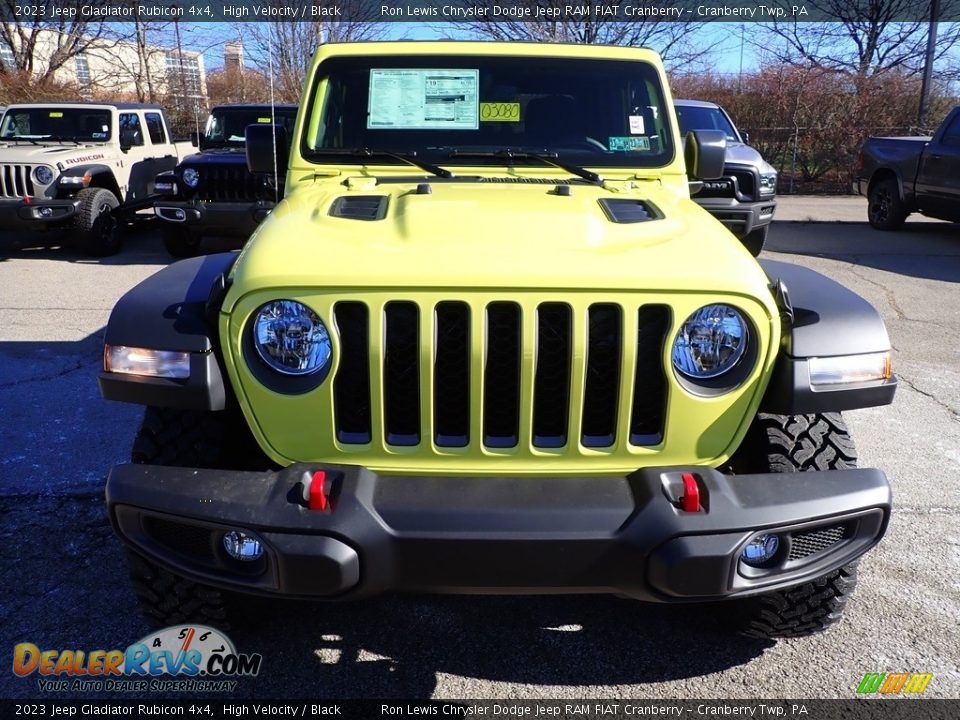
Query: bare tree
[283, 48]
[40, 47]
[868, 37]
[679, 43]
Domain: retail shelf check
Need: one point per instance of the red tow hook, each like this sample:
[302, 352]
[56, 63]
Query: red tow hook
[690, 501]
[314, 488]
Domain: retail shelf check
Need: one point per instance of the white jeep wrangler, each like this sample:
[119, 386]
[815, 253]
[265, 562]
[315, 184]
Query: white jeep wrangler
[81, 167]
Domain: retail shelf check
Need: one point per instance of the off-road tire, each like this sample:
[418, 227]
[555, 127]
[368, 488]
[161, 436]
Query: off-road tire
[96, 227]
[179, 241]
[885, 208]
[167, 599]
[755, 240]
[786, 444]
[190, 438]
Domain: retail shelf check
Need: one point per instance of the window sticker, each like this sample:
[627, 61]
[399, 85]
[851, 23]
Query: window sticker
[499, 112]
[263, 120]
[56, 114]
[636, 124]
[418, 99]
[98, 135]
[629, 144]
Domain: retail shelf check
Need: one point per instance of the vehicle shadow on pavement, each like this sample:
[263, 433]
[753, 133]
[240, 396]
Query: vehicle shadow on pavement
[141, 246]
[929, 250]
[396, 646]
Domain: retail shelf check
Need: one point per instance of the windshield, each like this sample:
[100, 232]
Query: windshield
[79, 124]
[705, 118]
[228, 126]
[448, 108]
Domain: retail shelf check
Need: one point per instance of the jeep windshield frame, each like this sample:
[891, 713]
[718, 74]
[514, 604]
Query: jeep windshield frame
[52, 123]
[463, 110]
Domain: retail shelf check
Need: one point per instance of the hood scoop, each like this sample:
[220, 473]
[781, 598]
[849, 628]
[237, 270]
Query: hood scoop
[360, 207]
[625, 210]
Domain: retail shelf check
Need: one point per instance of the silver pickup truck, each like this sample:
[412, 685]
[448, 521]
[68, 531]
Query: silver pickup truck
[743, 199]
[901, 175]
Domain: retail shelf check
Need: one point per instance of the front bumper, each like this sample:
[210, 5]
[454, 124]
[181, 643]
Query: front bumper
[624, 535]
[741, 218]
[15, 214]
[214, 217]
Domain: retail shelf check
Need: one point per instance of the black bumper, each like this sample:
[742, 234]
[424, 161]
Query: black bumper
[624, 535]
[215, 218]
[38, 214]
[741, 218]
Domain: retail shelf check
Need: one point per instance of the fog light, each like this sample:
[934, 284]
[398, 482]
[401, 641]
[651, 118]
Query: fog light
[242, 545]
[760, 550]
[46, 212]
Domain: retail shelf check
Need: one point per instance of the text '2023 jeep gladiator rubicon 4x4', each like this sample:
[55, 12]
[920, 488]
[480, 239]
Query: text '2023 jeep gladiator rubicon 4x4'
[78, 166]
[487, 343]
[213, 192]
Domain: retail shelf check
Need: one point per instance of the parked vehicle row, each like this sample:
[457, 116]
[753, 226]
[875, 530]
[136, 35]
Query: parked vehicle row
[212, 192]
[88, 167]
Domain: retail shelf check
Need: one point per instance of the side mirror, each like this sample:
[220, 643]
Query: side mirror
[704, 152]
[197, 138]
[261, 141]
[128, 138]
[746, 137]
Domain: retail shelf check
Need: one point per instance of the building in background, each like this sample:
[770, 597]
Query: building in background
[120, 69]
[233, 55]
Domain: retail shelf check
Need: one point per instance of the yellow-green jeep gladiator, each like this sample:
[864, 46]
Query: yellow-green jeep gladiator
[487, 343]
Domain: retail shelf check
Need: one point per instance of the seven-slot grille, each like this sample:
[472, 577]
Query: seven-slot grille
[16, 181]
[227, 182]
[430, 379]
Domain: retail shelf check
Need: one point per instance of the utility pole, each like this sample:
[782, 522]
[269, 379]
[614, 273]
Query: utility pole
[928, 64]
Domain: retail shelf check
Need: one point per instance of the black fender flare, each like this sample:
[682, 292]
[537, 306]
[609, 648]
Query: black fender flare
[821, 318]
[174, 309]
[101, 176]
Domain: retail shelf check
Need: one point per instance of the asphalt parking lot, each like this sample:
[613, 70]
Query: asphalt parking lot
[63, 581]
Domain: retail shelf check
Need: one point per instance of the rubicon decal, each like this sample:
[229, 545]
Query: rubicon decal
[894, 683]
[191, 651]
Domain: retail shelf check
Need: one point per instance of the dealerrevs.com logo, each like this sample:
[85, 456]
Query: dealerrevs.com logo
[894, 683]
[189, 658]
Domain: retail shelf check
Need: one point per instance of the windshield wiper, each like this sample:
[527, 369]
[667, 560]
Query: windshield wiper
[550, 158]
[22, 137]
[410, 158]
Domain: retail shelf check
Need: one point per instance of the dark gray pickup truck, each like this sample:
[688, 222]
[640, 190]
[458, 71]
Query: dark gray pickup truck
[901, 175]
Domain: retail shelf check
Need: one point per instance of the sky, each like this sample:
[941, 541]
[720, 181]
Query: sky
[726, 35]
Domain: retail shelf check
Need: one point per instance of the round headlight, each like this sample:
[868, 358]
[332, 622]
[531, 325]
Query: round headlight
[291, 338]
[43, 175]
[191, 177]
[710, 342]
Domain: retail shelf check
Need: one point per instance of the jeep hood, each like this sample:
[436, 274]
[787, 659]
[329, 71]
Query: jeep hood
[21, 151]
[466, 234]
